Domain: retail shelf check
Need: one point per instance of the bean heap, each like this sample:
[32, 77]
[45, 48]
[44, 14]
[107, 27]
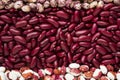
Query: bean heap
[42, 37]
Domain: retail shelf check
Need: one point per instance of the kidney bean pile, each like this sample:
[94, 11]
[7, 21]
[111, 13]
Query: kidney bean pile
[60, 36]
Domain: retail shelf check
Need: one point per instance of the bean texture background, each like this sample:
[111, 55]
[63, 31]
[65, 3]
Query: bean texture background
[59, 37]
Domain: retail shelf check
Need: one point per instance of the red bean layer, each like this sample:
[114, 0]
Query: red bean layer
[60, 36]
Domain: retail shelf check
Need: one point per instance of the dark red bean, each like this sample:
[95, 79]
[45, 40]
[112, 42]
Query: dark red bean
[106, 33]
[87, 18]
[74, 47]
[16, 49]
[6, 49]
[53, 22]
[35, 51]
[76, 16]
[79, 26]
[85, 44]
[19, 65]
[105, 13]
[42, 36]
[20, 39]
[108, 6]
[64, 46]
[71, 27]
[94, 28]
[6, 18]
[107, 62]
[46, 26]
[62, 14]
[51, 59]
[69, 39]
[91, 56]
[97, 11]
[61, 54]
[81, 32]
[102, 23]
[21, 24]
[84, 38]
[102, 42]
[33, 62]
[88, 51]
[101, 50]
[44, 42]
[24, 52]
[6, 38]
[109, 56]
[76, 57]
[33, 21]
[15, 32]
[8, 63]
[113, 46]
[95, 62]
[32, 35]
[95, 36]
[112, 27]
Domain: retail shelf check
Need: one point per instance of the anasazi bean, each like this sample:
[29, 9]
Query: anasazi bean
[60, 37]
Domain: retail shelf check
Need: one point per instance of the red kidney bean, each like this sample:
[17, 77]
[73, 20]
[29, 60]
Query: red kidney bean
[74, 47]
[91, 56]
[41, 36]
[84, 38]
[102, 23]
[6, 19]
[44, 42]
[94, 28]
[87, 18]
[88, 51]
[33, 21]
[48, 53]
[64, 46]
[8, 63]
[32, 35]
[105, 13]
[113, 14]
[16, 49]
[53, 22]
[112, 20]
[6, 50]
[118, 22]
[108, 56]
[106, 33]
[79, 26]
[115, 8]
[24, 52]
[35, 51]
[113, 46]
[102, 42]
[76, 16]
[46, 26]
[19, 65]
[112, 27]
[101, 50]
[76, 57]
[61, 54]
[15, 32]
[97, 11]
[27, 59]
[71, 27]
[95, 36]
[62, 36]
[10, 45]
[20, 39]
[33, 62]
[118, 44]
[69, 39]
[85, 44]
[21, 24]
[6, 38]
[69, 57]
[107, 62]
[26, 17]
[83, 59]
[62, 14]
[81, 49]
[95, 62]
[108, 6]
[81, 32]
[51, 59]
